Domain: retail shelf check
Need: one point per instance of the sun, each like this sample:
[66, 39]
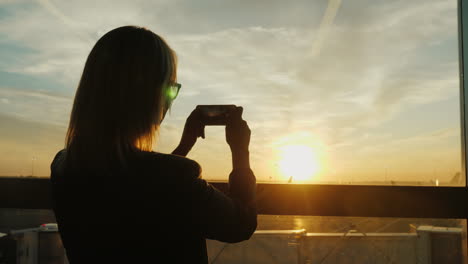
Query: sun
[298, 163]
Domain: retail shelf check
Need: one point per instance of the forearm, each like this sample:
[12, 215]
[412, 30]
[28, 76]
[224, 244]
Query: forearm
[230, 218]
[241, 214]
[240, 159]
[242, 181]
[181, 150]
[233, 217]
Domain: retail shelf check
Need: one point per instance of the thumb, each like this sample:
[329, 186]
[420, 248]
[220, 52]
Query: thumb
[202, 131]
[237, 115]
[240, 109]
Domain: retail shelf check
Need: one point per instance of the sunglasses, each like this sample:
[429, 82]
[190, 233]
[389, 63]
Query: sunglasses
[172, 90]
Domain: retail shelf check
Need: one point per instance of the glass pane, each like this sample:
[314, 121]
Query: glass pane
[347, 92]
[289, 239]
[310, 239]
[23, 241]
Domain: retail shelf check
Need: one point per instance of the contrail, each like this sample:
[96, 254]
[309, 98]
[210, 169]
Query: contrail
[327, 20]
[47, 5]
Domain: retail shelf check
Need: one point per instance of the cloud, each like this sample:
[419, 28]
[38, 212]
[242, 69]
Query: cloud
[376, 61]
[38, 106]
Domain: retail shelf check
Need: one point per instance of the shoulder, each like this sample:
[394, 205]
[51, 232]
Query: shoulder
[58, 159]
[57, 165]
[174, 163]
[60, 155]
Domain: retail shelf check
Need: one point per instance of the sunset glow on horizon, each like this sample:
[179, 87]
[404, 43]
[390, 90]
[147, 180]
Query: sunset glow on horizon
[334, 92]
[299, 162]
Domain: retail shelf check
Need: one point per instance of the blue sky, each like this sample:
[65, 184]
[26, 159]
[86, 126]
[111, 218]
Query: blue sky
[371, 85]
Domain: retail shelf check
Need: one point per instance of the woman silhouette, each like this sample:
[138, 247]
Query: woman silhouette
[115, 200]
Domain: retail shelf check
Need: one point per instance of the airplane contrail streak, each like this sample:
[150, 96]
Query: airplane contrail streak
[327, 20]
[47, 5]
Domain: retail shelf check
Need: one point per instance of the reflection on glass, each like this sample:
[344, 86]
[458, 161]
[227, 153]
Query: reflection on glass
[366, 92]
[313, 239]
[310, 239]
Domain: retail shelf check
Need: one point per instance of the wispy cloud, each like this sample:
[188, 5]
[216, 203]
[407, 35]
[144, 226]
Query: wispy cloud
[376, 60]
[39, 106]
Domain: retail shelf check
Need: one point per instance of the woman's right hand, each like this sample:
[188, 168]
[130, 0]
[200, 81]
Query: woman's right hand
[238, 138]
[193, 129]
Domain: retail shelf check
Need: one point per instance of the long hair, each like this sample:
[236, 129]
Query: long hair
[119, 102]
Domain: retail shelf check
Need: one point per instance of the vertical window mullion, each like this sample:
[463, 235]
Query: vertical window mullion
[463, 56]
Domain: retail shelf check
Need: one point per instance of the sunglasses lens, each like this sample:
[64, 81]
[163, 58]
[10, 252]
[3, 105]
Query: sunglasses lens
[172, 92]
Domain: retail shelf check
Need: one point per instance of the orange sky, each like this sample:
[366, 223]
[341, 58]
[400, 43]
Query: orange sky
[372, 88]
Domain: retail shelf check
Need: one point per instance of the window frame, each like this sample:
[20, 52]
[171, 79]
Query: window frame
[318, 199]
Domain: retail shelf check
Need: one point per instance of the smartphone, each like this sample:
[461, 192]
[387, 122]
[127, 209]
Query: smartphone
[215, 115]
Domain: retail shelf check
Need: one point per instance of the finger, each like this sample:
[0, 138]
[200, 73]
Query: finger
[245, 126]
[240, 110]
[230, 118]
[192, 115]
[199, 130]
[197, 112]
[238, 113]
[196, 116]
[203, 131]
[244, 123]
[236, 116]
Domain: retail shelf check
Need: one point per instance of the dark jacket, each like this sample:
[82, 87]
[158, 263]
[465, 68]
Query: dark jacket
[158, 210]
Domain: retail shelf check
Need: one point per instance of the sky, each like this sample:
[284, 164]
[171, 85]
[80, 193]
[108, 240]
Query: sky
[370, 86]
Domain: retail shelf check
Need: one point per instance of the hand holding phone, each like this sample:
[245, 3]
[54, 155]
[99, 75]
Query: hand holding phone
[215, 115]
[237, 131]
[193, 129]
[238, 139]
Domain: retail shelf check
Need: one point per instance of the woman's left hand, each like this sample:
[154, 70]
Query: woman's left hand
[193, 129]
